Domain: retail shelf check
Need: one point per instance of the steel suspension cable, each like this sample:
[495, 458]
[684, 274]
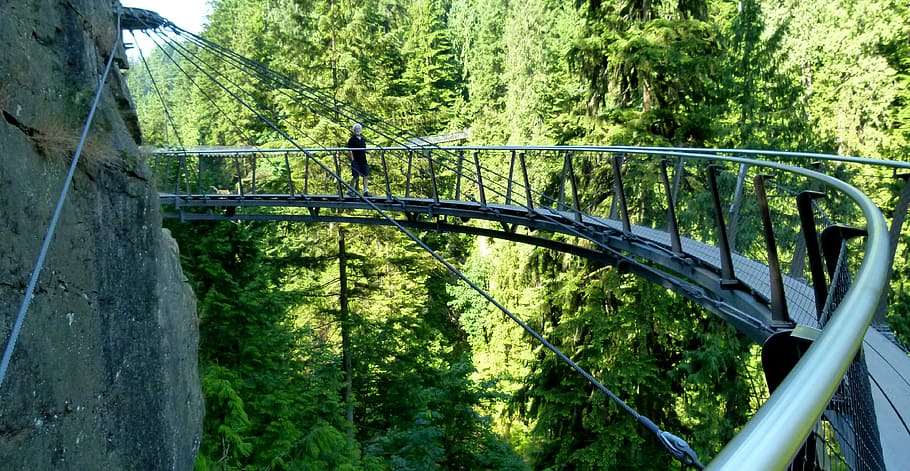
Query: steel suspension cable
[325, 101]
[167, 114]
[337, 108]
[195, 60]
[280, 82]
[201, 90]
[231, 59]
[264, 73]
[284, 80]
[333, 108]
[58, 210]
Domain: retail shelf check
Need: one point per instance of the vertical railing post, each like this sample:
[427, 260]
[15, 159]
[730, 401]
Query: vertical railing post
[832, 238]
[576, 204]
[866, 439]
[524, 173]
[428, 155]
[239, 176]
[287, 166]
[810, 236]
[338, 172]
[672, 224]
[561, 199]
[306, 173]
[727, 275]
[780, 316]
[183, 170]
[511, 178]
[385, 172]
[798, 263]
[480, 190]
[458, 170]
[199, 180]
[253, 173]
[621, 194]
[407, 178]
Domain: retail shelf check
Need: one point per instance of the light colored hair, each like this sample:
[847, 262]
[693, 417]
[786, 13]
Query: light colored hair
[355, 126]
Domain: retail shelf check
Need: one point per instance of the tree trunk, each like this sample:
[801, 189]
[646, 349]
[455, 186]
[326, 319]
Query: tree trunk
[347, 394]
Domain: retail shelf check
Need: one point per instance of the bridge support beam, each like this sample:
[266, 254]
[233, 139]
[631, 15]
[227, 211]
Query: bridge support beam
[810, 235]
[672, 225]
[780, 317]
[727, 276]
[621, 194]
[897, 223]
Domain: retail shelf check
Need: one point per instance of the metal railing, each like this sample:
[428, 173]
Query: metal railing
[606, 198]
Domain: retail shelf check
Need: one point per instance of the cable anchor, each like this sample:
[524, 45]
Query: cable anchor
[676, 446]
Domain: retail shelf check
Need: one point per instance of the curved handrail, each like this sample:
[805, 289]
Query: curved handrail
[800, 400]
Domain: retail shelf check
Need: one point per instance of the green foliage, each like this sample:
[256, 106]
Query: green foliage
[767, 106]
[430, 77]
[834, 50]
[477, 28]
[440, 378]
[652, 71]
[271, 389]
[651, 348]
[225, 408]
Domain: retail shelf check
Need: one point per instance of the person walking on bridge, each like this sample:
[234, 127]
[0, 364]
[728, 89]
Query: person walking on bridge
[357, 145]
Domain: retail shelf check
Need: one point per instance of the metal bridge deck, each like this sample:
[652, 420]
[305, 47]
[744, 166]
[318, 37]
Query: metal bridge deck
[645, 242]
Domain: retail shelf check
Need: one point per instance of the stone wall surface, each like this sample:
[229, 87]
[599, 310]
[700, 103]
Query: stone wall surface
[104, 374]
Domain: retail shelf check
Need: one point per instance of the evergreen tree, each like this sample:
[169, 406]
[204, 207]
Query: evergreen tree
[271, 393]
[652, 70]
[477, 30]
[430, 77]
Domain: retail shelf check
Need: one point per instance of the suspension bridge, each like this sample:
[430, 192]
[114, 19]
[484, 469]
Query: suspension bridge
[840, 389]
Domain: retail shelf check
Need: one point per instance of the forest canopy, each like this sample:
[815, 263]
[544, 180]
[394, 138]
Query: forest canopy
[414, 370]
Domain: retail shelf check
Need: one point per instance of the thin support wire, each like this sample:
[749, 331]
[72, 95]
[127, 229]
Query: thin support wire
[33, 281]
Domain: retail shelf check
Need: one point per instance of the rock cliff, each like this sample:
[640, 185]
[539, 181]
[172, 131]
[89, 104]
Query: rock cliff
[104, 374]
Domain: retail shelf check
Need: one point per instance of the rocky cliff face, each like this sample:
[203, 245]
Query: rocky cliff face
[104, 373]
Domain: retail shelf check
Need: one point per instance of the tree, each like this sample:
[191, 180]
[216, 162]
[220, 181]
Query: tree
[477, 29]
[651, 70]
[430, 76]
[271, 389]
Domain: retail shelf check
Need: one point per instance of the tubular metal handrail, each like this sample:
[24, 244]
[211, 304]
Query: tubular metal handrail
[763, 443]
